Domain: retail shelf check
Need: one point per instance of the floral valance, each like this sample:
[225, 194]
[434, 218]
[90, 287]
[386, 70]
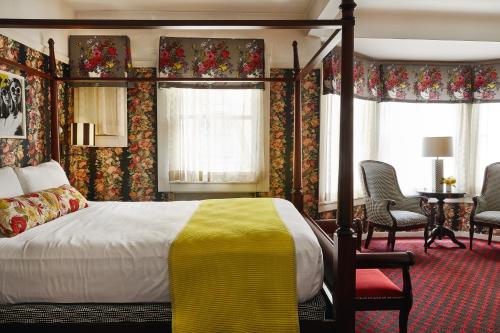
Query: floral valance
[366, 76]
[211, 58]
[99, 56]
[443, 82]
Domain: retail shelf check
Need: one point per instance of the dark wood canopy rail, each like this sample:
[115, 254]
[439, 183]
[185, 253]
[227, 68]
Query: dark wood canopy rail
[339, 255]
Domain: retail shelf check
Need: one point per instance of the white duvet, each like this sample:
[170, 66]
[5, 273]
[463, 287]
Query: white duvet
[116, 252]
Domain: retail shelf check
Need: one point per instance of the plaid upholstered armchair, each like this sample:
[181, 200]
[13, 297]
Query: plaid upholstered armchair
[486, 211]
[386, 207]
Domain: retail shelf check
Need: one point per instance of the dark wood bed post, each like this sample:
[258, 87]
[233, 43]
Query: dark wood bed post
[297, 195]
[54, 113]
[344, 239]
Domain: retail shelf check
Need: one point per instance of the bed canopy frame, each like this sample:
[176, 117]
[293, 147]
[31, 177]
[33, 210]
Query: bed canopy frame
[339, 254]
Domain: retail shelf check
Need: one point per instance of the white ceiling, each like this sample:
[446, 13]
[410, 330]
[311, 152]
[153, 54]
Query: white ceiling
[486, 7]
[295, 7]
[421, 50]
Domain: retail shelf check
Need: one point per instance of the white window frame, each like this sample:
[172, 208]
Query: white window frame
[164, 185]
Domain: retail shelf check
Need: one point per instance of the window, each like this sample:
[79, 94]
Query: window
[486, 117]
[392, 132]
[402, 128]
[365, 145]
[106, 107]
[210, 137]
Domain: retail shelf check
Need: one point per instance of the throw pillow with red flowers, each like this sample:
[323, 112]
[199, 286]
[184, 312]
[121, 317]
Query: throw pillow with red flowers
[172, 60]
[98, 57]
[251, 60]
[30, 210]
[428, 83]
[485, 82]
[460, 83]
[212, 59]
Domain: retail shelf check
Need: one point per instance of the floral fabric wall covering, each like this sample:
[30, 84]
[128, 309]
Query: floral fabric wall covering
[211, 58]
[36, 148]
[281, 138]
[99, 56]
[123, 173]
[409, 82]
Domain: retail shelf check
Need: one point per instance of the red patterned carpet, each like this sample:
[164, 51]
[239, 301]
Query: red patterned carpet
[455, 290]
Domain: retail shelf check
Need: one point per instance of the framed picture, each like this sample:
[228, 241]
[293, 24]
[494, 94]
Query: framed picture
[12, 106]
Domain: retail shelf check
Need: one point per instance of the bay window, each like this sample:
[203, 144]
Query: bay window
[392, 132]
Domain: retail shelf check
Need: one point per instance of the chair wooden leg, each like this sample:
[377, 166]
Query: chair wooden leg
[393, 240]
[490, 235]
[426, 237]
[471, 235]
[369, 235]
[403, 320]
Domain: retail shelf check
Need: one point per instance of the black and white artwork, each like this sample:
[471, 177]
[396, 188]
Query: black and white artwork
[12, 106]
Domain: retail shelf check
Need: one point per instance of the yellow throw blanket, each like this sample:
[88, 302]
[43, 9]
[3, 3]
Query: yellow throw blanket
[232, 270]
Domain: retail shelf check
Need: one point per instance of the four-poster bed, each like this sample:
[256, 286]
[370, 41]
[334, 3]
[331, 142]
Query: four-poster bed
[339, 255]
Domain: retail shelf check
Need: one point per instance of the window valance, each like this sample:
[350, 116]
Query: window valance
[211, 58]
[99, 57]
[411, 82]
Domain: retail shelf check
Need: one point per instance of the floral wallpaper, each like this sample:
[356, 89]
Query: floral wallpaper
[211, 58]
[281, 138]
[443, 82]
[36, 148]
[123, 173]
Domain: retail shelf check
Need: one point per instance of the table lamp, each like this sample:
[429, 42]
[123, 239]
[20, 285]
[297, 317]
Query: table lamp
[437, 146]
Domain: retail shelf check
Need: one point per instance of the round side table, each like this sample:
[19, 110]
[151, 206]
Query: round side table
[440, 230]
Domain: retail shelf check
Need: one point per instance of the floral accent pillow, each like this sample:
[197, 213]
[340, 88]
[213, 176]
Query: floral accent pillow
[24, 212]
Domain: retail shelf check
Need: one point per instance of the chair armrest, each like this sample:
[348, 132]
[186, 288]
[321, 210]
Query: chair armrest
[416, 204]
[377, 210]
[480, 205]
[385, 260]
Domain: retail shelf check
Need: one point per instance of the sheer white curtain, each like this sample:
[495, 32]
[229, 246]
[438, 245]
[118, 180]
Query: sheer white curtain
[402, 128]
[365, 143]
[486, 118]
[214, 135]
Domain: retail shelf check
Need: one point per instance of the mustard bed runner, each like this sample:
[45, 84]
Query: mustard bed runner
[232, 270]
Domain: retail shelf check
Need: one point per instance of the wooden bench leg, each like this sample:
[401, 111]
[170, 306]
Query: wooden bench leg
[403, 320]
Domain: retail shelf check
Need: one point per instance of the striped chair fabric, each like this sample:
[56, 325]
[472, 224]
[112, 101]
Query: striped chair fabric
[382, 191]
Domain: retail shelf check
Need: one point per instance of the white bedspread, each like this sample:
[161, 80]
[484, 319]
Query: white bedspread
[116, 252]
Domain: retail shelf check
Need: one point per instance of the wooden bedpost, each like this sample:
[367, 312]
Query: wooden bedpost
[54, 113]
[344, 239]
[297, 195]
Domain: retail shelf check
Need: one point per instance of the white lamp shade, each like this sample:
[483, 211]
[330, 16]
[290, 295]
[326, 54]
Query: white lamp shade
[437, 146]
[83, 134]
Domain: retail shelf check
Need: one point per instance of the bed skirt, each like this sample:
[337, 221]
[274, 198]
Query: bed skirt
[317, 309]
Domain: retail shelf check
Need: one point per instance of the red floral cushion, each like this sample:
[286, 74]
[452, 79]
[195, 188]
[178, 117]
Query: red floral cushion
[373, 283]
[21, 213]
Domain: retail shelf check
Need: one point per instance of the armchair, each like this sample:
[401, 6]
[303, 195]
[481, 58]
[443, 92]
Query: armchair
[486, 210]
[385, 205]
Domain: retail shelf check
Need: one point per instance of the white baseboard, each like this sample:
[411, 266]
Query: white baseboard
[413, 234]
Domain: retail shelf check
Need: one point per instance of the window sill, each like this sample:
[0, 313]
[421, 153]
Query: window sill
[211, 188]
[329, 206]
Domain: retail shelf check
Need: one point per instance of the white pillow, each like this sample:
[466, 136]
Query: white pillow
[41, 177]
[9, 183]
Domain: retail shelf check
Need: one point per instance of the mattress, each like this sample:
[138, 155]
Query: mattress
[116, 252]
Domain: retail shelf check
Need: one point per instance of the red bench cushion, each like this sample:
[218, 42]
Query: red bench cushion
[374, 283]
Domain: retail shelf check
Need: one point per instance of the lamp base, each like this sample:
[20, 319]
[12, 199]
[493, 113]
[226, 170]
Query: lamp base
[437, 175]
